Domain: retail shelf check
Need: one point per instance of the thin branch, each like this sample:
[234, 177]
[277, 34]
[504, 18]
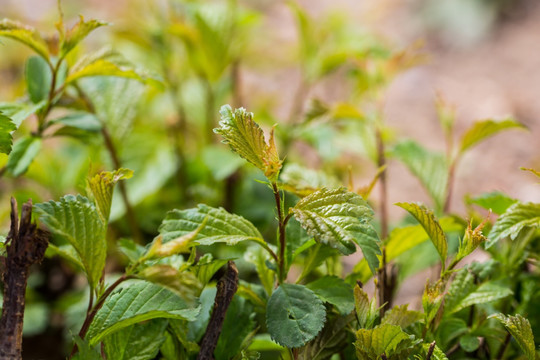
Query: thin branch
[281, 229]
[430, 351]
[502, 349]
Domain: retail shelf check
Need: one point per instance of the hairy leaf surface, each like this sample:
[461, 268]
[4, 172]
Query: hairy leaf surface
[520, 329]
[516, 218]
[340, 218]
[135, 302]
[221, 226]
[294, 315]
[433, 228]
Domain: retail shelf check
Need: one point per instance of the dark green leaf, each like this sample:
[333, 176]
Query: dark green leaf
[38, 79]
[135, 302]
[136, 342]
[469, 343]
[238, 325]
[331, 340]
[335, 291]
[294, 315]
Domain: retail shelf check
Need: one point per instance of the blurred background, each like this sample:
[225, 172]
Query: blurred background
[324, 71]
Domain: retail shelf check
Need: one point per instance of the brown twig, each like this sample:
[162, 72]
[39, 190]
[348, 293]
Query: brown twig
[281, 228]
[430, 351]
[226, 288]
[503, 347]
[26, 245]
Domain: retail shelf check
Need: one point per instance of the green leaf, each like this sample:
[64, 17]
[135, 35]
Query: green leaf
[77, 220]
[86, 351]
[23, 153]
[101, 188]
[131, 250]
[303, 181]
[77, 33]
[495, 201]
[427, 219]
[36, 319]
[430, 168]
[24, 34]
[366, 310]
[185, 284]
[246, 138]
[335, 291]
[106, 63]
[469, 343]
[237, 326]
[437, 354]
[80, 120]
[66, 252]
[384, 339]
[207, 266]
[449, 329]
[331, 340]
[401, 316]
[135, 302]
[20, 111]
[516, 218]
[136, 342]
[220, 161]
[520, 329]
[339, 218]
[6, 140]
[463, 292]
[221, 226]
[38, 78]
[484, 129]
[294, 315]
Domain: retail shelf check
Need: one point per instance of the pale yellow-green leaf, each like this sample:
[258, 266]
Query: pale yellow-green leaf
[26, 35]
[102, 186]
[77, 33]
[483, 129]
[520, 328]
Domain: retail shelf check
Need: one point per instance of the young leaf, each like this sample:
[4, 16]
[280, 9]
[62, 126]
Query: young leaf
[535, 172]
[294, 315]
[335, 291]
[429, 167]
[331, 340]
[516, 218]
[520, 329]
[183, 283]
[246, 138]
[401, 316]
[38, 78]
[25, 34]
[77, 220]
[495, 201]
[340, 218]
[483, 129]
[136, 342]
[427, 219]
[136, 302]
[221, 226]
[102, 186]
[77, 33]
[471, 240]
[86, 351]
[366, 310]
[23, 153]
[6, 140]
[384, 339]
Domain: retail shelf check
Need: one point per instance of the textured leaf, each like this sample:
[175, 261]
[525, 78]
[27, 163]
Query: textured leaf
[331, 340]
[520, 329]
[25, 34]
[80, 120]
[77, 220]
[185, 284]
[340, 218]
[401, 316]
[471, 240]
[246, 138]
[494, 201]
[516, 218]
[38, 78]
[206, 267]
[303, 181]
[136, 342]
[294, 315]
[484, 129]
[77, 33]
[135, 302]
[102, 186]
[437, 354]
[430, 168]
[427, 219]
[23, 153]
[463, 292]
[221, 226]
[6, 140]
[366, 310]
[335, 291]
[384, 339]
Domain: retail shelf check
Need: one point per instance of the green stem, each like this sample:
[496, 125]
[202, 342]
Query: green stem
[282, 222]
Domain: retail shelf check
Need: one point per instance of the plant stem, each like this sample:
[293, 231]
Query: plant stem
[430, 351]
[502, 349]
[281, 228]
[92, 314]
[450, 186]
